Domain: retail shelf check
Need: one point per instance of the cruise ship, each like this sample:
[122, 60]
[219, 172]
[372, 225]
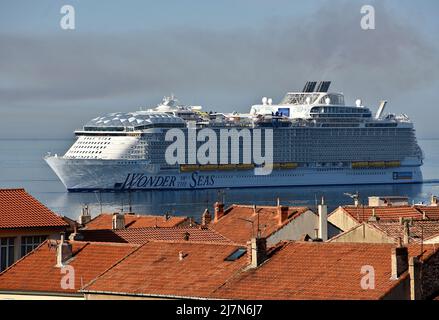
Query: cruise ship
[317, 139]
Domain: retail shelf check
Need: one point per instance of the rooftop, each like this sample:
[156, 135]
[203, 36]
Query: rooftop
[171, 269]
[240, 222]
[143, 235]
[360, 213]
[432, 212]
[104, 221]
[303, 270]
[418, 229]
[37, 271]
[20, 210]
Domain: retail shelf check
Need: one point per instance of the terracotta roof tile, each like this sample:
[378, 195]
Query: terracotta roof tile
[418, 229]
[235, 224]
[143, 235]
[104, 221]
[361, 214]
[37, 271]
[432, 212]
[20, 210]
[155, 269]
[303, 270]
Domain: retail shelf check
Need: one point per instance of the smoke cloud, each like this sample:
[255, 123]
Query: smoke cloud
[70, 78]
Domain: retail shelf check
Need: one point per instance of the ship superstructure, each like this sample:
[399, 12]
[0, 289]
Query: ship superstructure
[316, 140]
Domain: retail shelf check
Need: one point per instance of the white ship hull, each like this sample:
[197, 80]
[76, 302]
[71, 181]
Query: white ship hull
[83, 175]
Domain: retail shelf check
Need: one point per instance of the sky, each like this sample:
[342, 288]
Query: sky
[224, 55]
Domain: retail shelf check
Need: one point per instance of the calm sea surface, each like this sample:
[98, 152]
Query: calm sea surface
[21, 165]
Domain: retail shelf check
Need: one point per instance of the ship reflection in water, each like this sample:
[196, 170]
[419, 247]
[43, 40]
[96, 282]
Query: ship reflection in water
[193, 203]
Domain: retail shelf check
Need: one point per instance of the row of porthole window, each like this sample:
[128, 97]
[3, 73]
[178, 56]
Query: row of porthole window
[99, 138]
[92, 142]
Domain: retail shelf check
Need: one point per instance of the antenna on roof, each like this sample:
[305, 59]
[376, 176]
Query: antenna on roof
[315, 201]
[130, 208]
[221, 193]
[99, 198]
[252, 223]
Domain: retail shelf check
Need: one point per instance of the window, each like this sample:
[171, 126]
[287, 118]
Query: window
[6, 252]
[236, 254]
[30, 243]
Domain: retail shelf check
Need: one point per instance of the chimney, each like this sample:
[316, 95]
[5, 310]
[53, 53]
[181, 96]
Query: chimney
[118, 221]
[75, 236]
[219, 210]
[256, 251]
[181, 255]
[406, 231]
[85, 216]
[373, 217]
[206, 218]
[356, 202]
[282, 213]
[399, 260]
[434, 201]
[415, 269]
[63, 251]
[323, 220]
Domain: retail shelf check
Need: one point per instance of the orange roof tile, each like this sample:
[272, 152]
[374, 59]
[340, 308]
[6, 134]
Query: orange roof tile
[361, 214]
[20, 210]
[143, 235]
[236, 225]
[419, 229]
[432, 212]
[306, 270]
[104, 221]
[36, 272]
[155, 269]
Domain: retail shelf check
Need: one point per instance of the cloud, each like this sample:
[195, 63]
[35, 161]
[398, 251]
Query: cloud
[225, 69]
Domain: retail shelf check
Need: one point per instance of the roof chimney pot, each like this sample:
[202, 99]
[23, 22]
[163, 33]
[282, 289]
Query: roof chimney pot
[282, 213]
[323, 221]
[219, 210]
[415, 269]
[400, 261]
[434, 201]
[206, 218]
[85, 216]
[256, 251]
[63, 251]
[181, 255]
[118, 221]
[406, 233]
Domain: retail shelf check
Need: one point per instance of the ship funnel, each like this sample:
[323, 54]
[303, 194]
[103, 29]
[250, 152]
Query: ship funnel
[380, 109]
